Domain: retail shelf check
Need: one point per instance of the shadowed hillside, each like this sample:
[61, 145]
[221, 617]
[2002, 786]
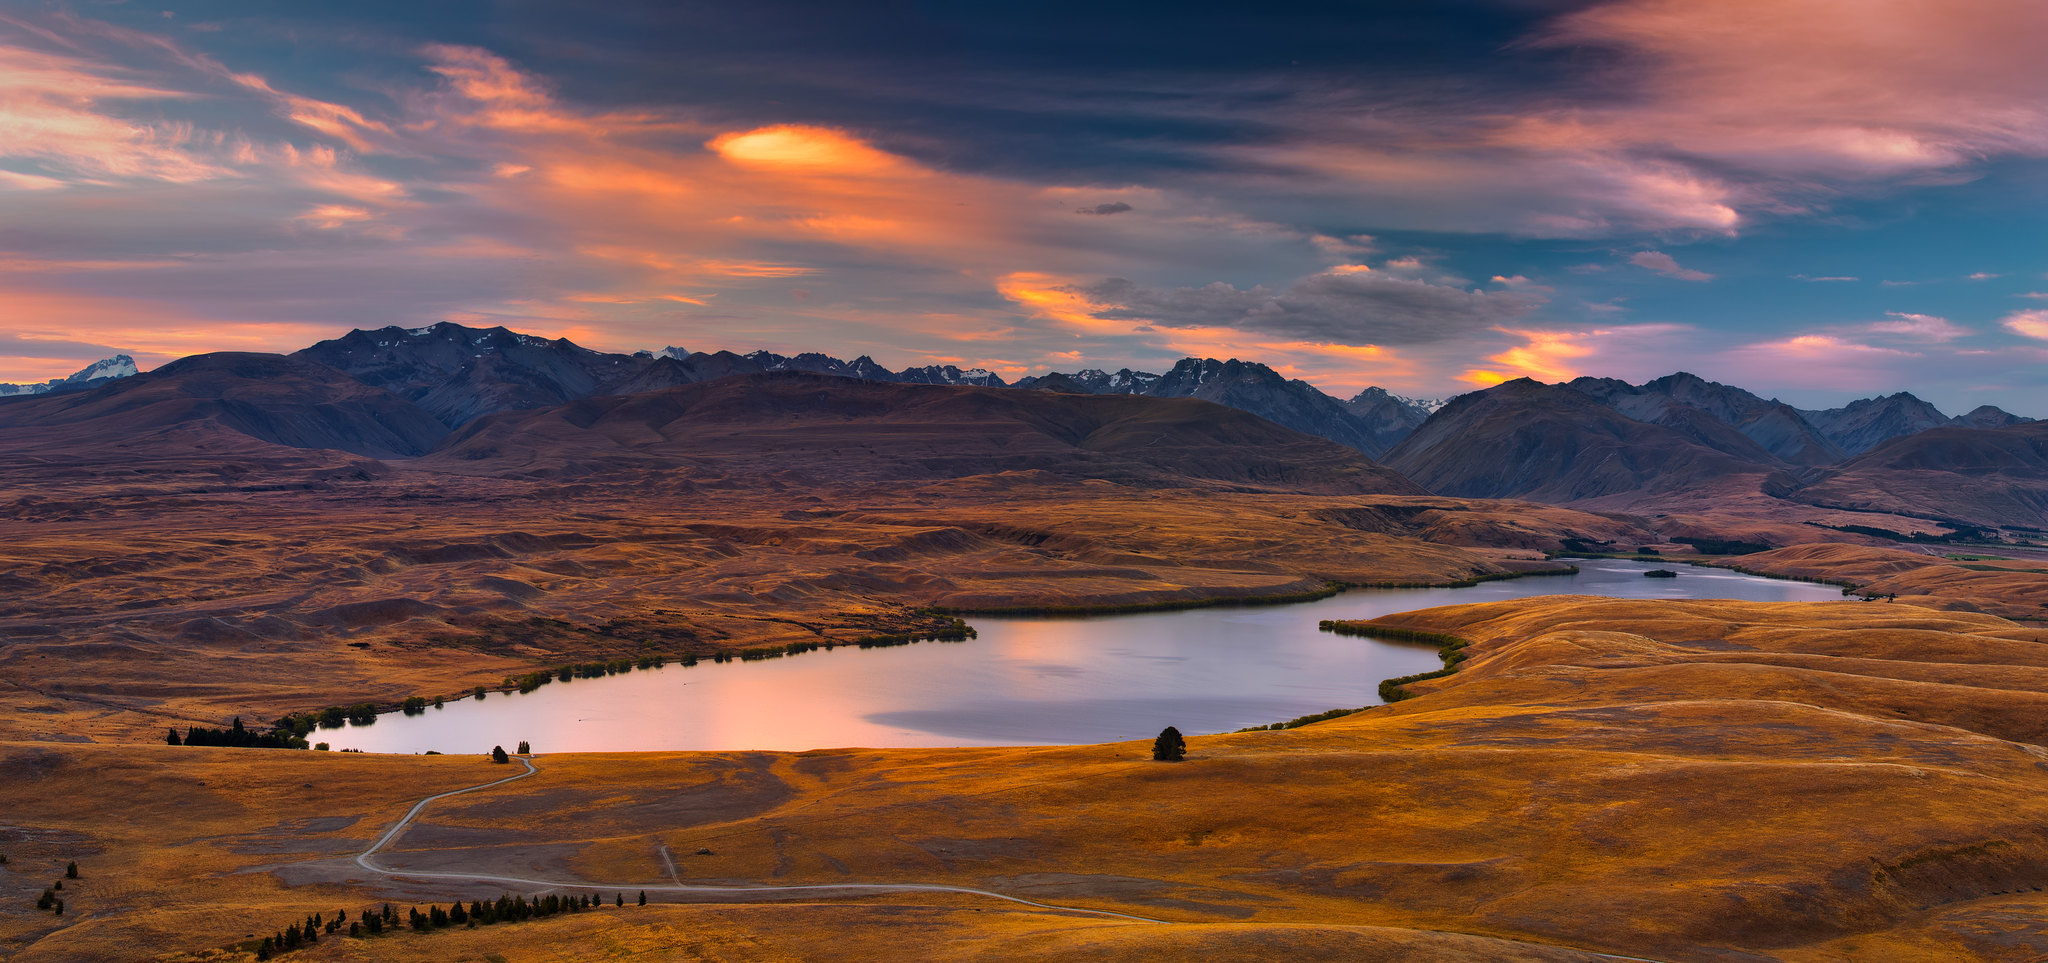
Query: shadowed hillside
[839, 428]
[1523, 439]
[269, 398]
[1983, 476]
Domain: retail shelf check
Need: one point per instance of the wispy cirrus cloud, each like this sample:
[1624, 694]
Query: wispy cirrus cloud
[1919, 327]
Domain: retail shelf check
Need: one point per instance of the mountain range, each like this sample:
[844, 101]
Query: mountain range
[462, 396]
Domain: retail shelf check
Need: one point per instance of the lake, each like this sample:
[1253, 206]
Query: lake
[1025, 681]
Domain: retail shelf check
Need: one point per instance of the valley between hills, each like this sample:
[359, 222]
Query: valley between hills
[261, 535]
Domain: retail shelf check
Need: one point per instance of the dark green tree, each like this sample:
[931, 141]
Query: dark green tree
[1169, 747]
[71, 870]
[525, 749]
[618, 899]
[643, 897]
[171, 738]
[498, 755]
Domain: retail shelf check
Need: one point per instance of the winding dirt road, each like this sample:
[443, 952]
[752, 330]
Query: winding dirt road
[366, 860]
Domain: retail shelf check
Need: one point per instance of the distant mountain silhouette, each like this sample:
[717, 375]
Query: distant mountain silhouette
[1386, 418]
[1862, 425]
[1694, 406]
[1990, 416]
[507, 397]
[1524, 439]
[271, 398]
[805, 426]
[1980, 476]
[458, 373]
[1253, 387]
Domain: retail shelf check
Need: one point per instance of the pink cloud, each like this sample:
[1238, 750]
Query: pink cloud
[1666, 265]
[2029, 324]
[1920, 327]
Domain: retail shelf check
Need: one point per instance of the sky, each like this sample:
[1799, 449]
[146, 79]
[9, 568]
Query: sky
[1817, 200]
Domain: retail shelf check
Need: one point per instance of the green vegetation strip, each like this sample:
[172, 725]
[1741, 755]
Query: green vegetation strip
[1284, 598]
[1449, 648]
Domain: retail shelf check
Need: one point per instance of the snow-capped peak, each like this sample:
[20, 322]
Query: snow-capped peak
[118, 366]
[1428, 405]
[106, 369]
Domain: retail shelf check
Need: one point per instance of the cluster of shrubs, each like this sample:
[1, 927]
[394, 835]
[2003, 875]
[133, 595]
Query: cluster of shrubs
[50, 902]
[374, 921]
[1958, 532]
[1299, 721]
[237, 736]
[1722, 546]
[955, 630]
[583, 670]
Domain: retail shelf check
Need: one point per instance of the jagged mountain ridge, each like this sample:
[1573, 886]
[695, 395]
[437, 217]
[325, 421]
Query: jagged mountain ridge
[459, 374]
[1551, 443]
[1769, 431]
[805, 428]
[1862, 425]
[1249, 386]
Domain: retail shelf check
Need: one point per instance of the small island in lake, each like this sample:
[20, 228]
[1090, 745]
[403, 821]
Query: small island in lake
[1660, 573]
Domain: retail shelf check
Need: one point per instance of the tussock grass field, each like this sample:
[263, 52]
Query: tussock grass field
[1683, 781]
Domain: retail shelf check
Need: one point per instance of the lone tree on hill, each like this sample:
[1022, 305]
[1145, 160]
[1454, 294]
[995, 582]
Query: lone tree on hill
[498, 754]
[1169, 747]
[525, 749]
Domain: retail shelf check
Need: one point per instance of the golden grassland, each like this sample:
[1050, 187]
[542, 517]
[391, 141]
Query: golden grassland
[125, 615]
[2015, 589]
[1680, 781]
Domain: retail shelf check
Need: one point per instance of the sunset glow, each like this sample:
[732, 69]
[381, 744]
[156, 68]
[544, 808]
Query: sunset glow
[192, 187]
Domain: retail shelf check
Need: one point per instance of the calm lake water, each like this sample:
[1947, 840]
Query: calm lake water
[1025, 681]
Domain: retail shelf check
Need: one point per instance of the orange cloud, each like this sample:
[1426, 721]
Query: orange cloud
[57, 111]
[1546, 357]
[802, 149]
[1053, 297]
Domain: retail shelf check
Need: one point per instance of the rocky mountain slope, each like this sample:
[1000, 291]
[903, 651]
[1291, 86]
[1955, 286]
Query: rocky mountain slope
[808, 429]
[1525, 439]
[1975, 476]
[273, 399]
[1694, 406]
[1371, 423]
[1862, 425]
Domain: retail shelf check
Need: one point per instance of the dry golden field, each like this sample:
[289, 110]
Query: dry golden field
[1680, 781]
[132, 610]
